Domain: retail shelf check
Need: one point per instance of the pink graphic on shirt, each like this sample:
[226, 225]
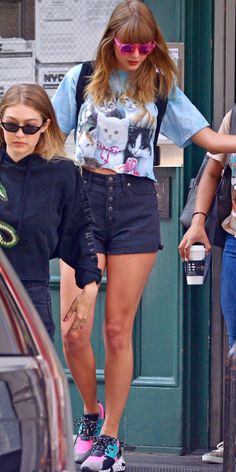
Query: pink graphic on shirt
[105, 154]
[129, 166]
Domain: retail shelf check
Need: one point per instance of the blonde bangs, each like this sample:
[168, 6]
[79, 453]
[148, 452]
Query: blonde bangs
[134, 32]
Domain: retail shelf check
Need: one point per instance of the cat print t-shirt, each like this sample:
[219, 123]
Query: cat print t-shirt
[119, 133]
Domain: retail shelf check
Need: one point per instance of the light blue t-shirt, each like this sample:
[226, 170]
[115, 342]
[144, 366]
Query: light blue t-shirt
[119, 133]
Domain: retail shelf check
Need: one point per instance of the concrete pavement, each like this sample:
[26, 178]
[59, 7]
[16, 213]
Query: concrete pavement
[153, 462]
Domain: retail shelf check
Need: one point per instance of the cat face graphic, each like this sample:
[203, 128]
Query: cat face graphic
[139, 144]
[86, 145]
[112, 131]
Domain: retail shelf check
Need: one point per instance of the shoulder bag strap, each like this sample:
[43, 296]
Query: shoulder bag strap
[201, 170]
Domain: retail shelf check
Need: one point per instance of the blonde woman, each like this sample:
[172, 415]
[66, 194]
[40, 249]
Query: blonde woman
[131, 93]
[43, 208]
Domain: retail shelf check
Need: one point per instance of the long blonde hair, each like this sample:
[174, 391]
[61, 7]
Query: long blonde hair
[51, 142]
[133, 22]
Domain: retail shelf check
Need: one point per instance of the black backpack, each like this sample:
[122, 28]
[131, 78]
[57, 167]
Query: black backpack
[86, 71]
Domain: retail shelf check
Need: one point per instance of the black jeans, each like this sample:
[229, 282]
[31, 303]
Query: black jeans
[40, 296]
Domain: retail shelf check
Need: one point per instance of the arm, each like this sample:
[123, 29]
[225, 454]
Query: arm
[64, 101]
[206, 191]
[215, 142]
[76, 248]
[205, 194]
[184, 124]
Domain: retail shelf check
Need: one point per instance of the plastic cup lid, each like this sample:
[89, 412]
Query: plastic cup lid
[197, 247]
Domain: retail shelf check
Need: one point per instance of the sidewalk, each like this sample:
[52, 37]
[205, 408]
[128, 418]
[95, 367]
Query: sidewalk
[153, 462]
[140, 462]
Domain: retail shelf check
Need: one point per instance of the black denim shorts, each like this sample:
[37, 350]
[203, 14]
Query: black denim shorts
[41, 298]
[125, 210]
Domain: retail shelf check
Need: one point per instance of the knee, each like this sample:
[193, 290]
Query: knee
[116, 338]
[75, 341]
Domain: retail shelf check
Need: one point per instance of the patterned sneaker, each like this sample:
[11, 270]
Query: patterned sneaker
[89, 430]
[216, 456]
[105, 456]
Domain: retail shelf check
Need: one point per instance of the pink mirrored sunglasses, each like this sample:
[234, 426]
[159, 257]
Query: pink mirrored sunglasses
[129, 48]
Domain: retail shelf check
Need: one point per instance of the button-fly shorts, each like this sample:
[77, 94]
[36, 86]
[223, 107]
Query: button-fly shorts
[125, 210]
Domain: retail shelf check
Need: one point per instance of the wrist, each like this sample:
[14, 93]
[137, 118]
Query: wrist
[91, 287]
[199, 215]
[199, 220]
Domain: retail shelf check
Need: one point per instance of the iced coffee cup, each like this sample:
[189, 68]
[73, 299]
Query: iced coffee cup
[194, 267]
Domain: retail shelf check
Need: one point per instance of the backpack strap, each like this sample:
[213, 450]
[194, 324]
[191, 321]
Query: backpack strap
[85, 73]
[161, 104]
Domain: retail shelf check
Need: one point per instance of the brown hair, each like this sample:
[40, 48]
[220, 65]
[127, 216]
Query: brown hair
[51, 142]
[133, 22]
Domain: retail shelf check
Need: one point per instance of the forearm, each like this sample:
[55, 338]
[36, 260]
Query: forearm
[205, 194]
[78, 251]
[87, 274]
[214, 142]
[206, 190]
[77, 246]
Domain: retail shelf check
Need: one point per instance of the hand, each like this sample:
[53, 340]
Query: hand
[82, 307]
[195, 234]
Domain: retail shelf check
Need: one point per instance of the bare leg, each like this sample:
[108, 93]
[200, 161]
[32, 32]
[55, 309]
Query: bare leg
[126, 275]
[77, 344]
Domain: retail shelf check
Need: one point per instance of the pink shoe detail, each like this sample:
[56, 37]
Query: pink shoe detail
[81, 446]
[89, 430]
[95, 459]
[105, 456]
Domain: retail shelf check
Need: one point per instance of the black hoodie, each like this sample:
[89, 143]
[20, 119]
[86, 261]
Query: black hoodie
[46, 204]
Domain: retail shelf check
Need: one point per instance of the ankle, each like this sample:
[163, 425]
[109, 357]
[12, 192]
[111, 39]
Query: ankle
[112, 433]
[91, 409]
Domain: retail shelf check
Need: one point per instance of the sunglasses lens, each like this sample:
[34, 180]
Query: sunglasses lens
[30, 129]
[127, 48]
[144, 48]
[11, 127]
[27, 129]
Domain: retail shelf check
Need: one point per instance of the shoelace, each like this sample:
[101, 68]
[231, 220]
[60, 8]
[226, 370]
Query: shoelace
[102, 442]
[87, 427]
[220, 446]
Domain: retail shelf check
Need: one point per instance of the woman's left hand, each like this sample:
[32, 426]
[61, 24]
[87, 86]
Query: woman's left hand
[82, 307]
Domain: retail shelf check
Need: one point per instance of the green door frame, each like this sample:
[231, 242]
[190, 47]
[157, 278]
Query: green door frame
[199, 33]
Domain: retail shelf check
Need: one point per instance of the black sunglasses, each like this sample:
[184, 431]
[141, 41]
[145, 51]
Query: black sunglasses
[27, 129]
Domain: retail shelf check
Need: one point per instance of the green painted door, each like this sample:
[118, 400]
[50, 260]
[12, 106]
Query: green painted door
[168, 403]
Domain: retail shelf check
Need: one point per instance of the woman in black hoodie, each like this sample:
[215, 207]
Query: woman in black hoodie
[44, 210]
